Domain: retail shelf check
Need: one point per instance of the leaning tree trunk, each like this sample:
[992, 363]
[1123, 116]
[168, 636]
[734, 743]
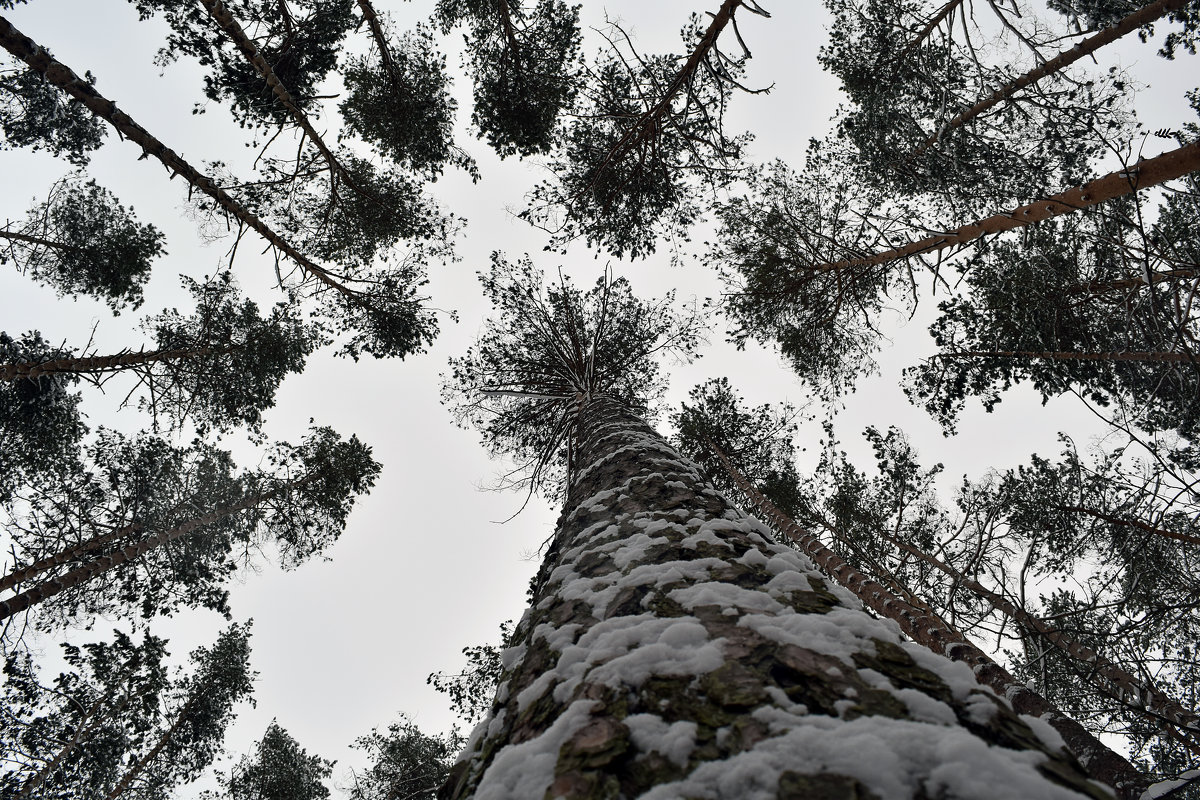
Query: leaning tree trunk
[91, 365]
[1142, 175]
[1114, 680]
[673, 650]
[924, 626]
[1141, 17]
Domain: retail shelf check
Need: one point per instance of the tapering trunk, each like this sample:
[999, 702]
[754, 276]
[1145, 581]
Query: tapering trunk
[57, 73]
[385, 52]
[112, 363]
[1139, 18]
[1053, 355]
[1146, 173]
[90, 570]
[672, 648]
[1101, 762]
[35, 240]
[66, 555]
[152, 754]
[1126, 687]
[649, 123]
[921, 36]
[1132, 523]
[1125, 284]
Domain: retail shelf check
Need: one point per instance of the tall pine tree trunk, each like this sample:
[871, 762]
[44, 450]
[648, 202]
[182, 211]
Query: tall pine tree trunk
[1114, 680]
[111, 363]
[1137, 19]
[924, 626]
[1142, 175]
[672, 648]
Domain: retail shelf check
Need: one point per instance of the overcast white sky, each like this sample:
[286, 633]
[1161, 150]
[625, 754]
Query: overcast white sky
[423, 568]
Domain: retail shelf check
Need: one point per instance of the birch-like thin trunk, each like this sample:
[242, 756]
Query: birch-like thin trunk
[59, 74]
[1101, 762]
[1130, 23]
[21, 574]
[145, 760]
[673, 650]
[923, 34]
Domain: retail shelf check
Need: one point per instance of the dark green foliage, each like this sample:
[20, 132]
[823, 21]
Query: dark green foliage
[235, 358]
[471, 691]
[70, 740]
[637, 158]
[84, 242]
[544, 348]
[200, 709]
[138, 486]
[1045, 292]
[279, 769]
[1110, 518]
[300, 39]
[40, 423]
[135, 488]
[1038, 143]
[757, 440]
[315, 485]
[524, 60]
[406, 763]
[401, 105]
[388, 319]
[768, 248]
[35, 114]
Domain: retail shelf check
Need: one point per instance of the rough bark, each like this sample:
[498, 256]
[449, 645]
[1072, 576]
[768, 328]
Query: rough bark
[1130, 23]
[1124, 686]
[57, 73]
[1101, 762]
[110, 363]
[673, 650]
[1142, 175]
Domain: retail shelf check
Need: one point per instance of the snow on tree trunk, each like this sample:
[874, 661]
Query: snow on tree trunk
[672, 649]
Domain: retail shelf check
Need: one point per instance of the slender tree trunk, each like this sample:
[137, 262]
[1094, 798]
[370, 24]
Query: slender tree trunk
[1129, 689]
[36, 240]
[21, 574]
[1101, 762]
[1132, 523]
[57, 73]
[1053, 355]
[111, 363]
[385, 52]
[672, 648]
[82, 574]
[1143, 16]
[649, 124]
[145, 760]
[1125, 284]
[1146, 173]
[945, 11]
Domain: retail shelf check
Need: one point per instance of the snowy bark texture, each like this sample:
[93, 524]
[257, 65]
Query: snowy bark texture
[673, 650]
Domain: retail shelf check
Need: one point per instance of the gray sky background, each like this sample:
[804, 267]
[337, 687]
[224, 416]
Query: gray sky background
[423, 568]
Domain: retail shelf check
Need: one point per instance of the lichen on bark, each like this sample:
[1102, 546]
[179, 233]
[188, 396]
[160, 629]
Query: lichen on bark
[672, 649]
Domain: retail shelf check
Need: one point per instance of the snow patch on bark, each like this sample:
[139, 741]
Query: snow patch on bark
[527, 769]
